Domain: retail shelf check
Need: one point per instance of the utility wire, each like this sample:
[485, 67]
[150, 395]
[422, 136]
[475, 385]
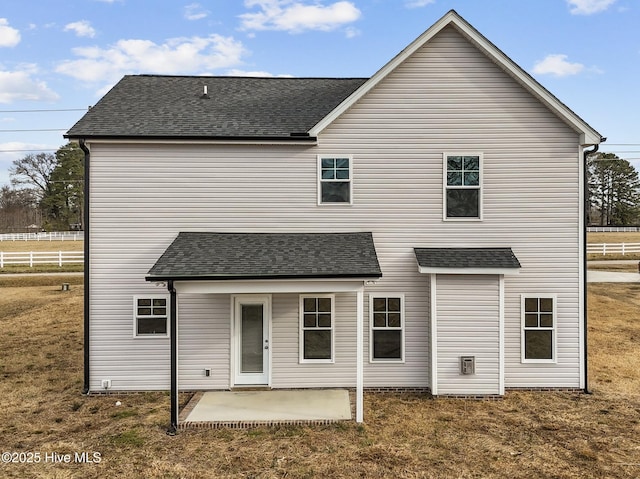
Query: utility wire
[37, 129]
[43, 111]
[25, 151]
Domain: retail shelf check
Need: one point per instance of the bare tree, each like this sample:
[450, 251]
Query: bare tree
[34, 171]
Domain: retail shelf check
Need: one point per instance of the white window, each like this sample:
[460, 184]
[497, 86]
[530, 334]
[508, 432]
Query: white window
[334, 180]
[316, 328]
[538, 329]
[462, 186]
[150, 316]
[386, 315]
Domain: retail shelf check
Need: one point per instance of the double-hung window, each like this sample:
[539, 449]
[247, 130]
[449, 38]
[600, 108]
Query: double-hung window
[538, 328]
[316, 328]
[387, 328]
[334, 179]
[462, 186]
[151, 316]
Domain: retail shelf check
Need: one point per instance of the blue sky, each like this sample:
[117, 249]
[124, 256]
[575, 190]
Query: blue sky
[59, 57]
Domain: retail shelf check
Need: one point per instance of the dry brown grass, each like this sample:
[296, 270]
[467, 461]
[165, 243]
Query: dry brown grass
[528, 434]
[613, 237]
[26, 246]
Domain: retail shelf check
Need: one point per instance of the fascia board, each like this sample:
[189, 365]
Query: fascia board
[505, 271]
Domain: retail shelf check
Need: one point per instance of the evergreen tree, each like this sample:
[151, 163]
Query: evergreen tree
[614, 190]
[62, 204]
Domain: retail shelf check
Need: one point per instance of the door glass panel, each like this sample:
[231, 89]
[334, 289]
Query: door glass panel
[251, 339]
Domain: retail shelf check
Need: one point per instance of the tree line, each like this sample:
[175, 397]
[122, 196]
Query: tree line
[47, 192]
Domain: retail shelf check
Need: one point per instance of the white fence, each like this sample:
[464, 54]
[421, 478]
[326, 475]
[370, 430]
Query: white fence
[613, 248]
[613, 229]
[53, 236]
[33, 258]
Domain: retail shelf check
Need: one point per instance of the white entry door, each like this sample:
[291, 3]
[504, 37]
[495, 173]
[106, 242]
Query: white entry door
[252, 316]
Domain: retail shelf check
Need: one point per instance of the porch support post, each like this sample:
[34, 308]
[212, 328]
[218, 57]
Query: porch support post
[173, 428]
[434, 332]
[359, 355]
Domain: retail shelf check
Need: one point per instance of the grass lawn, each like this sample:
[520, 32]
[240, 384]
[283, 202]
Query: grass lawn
[26, 246]
[528, 434]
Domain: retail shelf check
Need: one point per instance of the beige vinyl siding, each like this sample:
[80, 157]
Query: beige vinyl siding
[286, 369]
[446, 97]
[468, 324]
[463, 102]
[204, 341]
[400, 275]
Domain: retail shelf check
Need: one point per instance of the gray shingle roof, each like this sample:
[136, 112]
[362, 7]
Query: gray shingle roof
[467, 258]
[202, 256]
[235, 107]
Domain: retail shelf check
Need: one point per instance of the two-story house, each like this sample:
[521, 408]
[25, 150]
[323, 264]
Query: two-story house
[421, 229]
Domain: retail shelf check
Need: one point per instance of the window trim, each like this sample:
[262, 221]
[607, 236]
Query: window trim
[320, 180]
[402, 328]
[445, 187]
[167, 316]
[553, 329]
[302, 329]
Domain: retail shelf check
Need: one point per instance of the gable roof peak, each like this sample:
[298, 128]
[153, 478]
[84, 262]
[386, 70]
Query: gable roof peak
[588, 136]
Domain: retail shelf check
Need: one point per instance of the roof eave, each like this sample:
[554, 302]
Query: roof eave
[169, 277]
[305, 139]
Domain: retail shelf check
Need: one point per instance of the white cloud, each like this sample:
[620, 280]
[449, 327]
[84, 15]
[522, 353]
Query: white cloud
[294, 16]
[557, 65]
[81, 28]
[176, 56]
[351, 32]
[587, 7]
[418, 3]
[195, 11]
[19, 85]
[244, 73]
[9, 36]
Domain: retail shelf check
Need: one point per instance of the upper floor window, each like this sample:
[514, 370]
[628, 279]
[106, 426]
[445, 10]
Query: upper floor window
[463, 186]
[334, 179]
[150, 316]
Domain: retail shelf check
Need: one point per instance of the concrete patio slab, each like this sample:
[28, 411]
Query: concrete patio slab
[286, 406]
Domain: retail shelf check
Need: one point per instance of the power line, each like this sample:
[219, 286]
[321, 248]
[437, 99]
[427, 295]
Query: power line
[43, 110]
[38, 129]
[25, 151]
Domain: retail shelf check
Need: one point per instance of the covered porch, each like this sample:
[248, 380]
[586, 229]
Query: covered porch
[251, 269]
